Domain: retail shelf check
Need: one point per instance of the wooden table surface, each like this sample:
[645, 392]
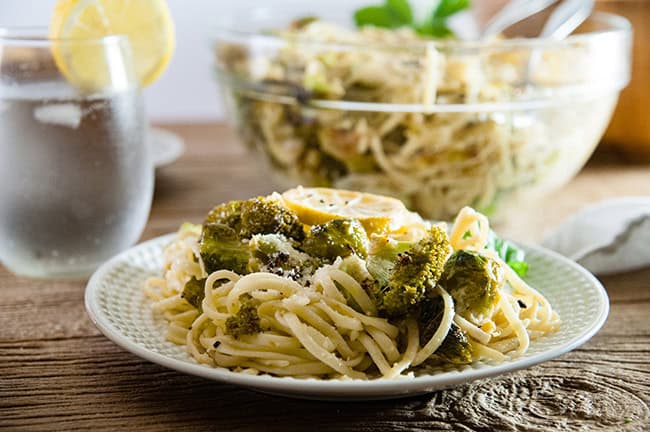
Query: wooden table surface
[58, 372]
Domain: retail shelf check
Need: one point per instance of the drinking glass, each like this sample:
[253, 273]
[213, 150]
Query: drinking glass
[76, 179]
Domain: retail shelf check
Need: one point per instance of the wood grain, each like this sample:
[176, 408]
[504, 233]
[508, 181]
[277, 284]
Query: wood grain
[57, 372]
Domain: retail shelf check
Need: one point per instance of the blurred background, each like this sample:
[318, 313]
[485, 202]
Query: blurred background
[187, 92]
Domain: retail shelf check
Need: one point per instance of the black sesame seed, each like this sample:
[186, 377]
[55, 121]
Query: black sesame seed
[521, 304]
[216, 344]
[283, 256]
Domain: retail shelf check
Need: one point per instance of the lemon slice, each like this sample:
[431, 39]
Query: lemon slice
[147, 23]
[377, 213]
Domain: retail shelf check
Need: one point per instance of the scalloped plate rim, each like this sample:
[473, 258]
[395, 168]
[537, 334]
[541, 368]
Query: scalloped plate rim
[336, 388]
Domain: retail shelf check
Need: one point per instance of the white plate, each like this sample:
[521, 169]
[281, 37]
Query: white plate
[166, 146]
[117, 306]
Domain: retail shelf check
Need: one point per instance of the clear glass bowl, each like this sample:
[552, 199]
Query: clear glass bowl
[438, 124]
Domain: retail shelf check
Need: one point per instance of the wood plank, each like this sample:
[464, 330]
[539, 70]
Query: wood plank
[130, 393]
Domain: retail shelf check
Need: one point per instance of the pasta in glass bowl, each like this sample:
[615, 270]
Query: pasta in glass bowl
[439, 124]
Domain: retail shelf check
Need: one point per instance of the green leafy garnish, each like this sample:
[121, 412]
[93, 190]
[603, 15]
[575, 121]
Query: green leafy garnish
[520, 267]
[511, 254]
[436, 26]
[392, 14]
[401, 8]
[398, 13]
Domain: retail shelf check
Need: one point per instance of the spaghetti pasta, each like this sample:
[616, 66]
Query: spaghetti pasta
[386, 111]
[328, 324]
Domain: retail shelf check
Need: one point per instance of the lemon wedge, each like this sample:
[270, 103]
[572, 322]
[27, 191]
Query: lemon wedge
[377, 213]
[146, 23]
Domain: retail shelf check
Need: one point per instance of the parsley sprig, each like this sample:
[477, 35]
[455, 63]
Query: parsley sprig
[398, 13]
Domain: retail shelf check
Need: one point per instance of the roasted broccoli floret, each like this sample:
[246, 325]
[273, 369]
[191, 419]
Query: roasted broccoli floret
[228, 214]
[245, 322]
[455, 348]
[266, 216]
[336, 238]
[429, 316]
[257, 216]
[227, 228]
[274, 253]
[401, 284]
[221, 248]
[472, 280]
[193, 292]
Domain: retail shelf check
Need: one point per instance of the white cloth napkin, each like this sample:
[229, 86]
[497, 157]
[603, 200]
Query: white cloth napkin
[611, 236]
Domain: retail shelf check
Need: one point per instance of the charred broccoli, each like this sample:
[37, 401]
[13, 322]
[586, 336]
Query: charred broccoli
[472, 280]
[227, 228]
[336, 238]
[274, 253]
[193, 292]
[245, 322]
[266, 216]
[401, 284]
[260, 215]
[455, 348]
[221, 248]
[228, 214]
